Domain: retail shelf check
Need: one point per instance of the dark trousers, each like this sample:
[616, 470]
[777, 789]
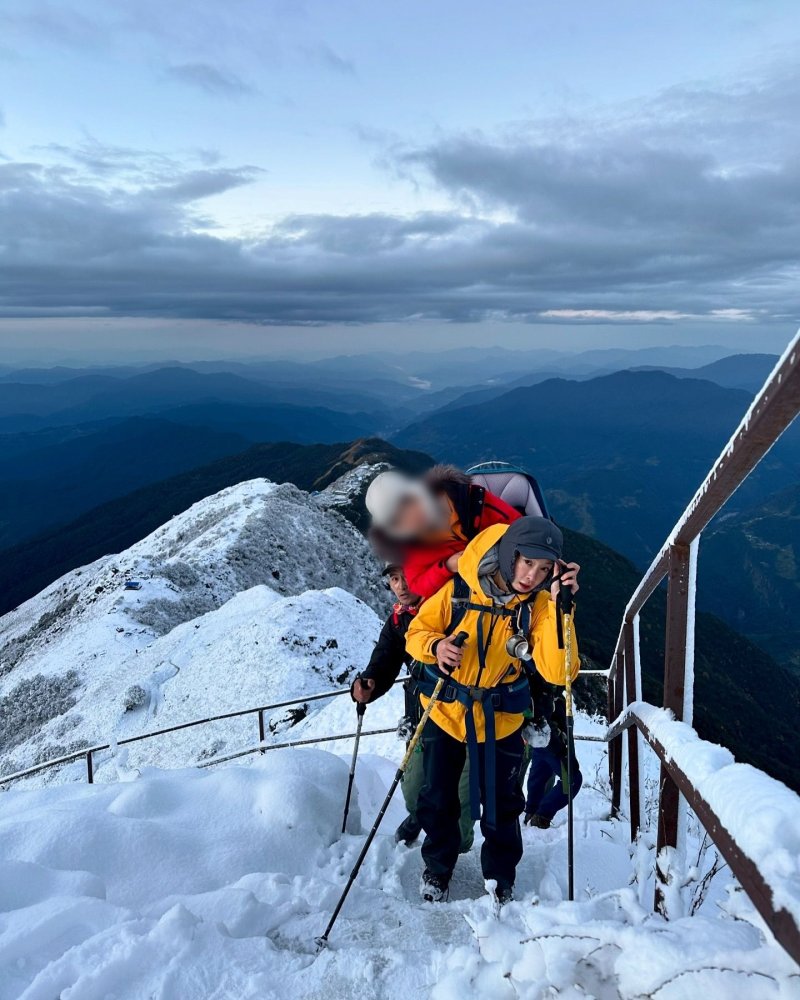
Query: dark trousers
[546, 795]
[439, 809]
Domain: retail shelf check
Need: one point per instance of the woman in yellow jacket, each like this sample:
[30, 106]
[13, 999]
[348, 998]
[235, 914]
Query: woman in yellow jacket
[504, 599]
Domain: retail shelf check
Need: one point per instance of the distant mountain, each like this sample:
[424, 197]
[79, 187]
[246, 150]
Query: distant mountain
[738, 371]
[29, 407]
[55, 483]
[52, 476]
[301, 424]
[113, 526]
[618, 456]
[591, 364]
[749, 574]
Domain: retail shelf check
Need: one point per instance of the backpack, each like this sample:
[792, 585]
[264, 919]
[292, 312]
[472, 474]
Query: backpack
[512, 484]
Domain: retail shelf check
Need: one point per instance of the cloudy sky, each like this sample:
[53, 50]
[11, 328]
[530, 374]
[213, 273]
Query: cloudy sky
[205, 178]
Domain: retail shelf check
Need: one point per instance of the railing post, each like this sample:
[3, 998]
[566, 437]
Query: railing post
[674, 684]
[89, 768]
[633, 732]
[610, 715]
[261, 734]
[615, 746]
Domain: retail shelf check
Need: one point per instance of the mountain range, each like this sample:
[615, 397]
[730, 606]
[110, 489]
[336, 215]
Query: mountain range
[749, 575]
[109, 527]
[618, 456]
[107, 452]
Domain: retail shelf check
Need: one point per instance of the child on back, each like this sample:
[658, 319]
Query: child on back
[426, 524]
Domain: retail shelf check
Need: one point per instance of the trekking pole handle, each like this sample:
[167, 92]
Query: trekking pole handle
[566, 598]
[460, 639]
[361, 707]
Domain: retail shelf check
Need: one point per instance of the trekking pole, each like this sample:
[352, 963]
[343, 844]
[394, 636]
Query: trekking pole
[412, 746]
[361, 707]
[567, 602]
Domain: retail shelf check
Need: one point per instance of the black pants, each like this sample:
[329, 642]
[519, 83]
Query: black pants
[438, 807]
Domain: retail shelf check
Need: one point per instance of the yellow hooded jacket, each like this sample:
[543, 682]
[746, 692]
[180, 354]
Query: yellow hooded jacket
[433, 618]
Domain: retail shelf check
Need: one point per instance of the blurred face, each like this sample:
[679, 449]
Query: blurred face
[399, 587]
[530, 573]
[413, 518]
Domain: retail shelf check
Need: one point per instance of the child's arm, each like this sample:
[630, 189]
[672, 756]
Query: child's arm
[425, 567]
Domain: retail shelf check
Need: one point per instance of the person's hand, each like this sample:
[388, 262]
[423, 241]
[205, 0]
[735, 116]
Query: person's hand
[362, 689]
[453, 561]
[566, 573]
[448, 655]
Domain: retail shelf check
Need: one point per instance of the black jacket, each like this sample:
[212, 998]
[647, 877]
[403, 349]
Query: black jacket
[389, 655]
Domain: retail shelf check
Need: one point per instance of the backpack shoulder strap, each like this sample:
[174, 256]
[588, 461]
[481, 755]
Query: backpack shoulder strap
[459, 600]
[524, 614]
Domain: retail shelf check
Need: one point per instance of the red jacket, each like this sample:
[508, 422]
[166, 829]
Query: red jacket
[424, 564]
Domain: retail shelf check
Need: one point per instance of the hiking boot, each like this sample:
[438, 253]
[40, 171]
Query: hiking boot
[503, 894]
[534, 819]
[408, 831]
[434, 888]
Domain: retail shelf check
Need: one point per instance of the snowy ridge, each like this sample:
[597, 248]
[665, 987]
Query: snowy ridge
[350, 487]
[218, 624]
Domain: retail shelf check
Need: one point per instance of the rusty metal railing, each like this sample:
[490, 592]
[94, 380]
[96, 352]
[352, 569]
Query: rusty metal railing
[88, 753]
[772, 411]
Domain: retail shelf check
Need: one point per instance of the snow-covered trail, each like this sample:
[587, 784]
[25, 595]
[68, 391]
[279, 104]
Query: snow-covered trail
[198, 884]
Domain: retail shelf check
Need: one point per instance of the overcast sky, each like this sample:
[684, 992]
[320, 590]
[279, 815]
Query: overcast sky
[203, 179]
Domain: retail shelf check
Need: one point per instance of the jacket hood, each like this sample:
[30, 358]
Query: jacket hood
[474, 553]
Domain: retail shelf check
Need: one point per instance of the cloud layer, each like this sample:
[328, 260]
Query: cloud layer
[684, 206]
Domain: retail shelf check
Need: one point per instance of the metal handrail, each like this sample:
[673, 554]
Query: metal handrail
[780, 921]
[88, 752]
[291, 744]
[771, 412]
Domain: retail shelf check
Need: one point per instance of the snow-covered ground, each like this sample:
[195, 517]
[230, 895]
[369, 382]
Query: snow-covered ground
[214, 883]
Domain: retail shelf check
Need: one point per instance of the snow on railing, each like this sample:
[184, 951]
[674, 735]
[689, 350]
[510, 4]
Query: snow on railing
[773, 409]
[753, 819]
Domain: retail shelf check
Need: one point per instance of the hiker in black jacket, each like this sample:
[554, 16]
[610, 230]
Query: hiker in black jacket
[387, 660]
[389, 655]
